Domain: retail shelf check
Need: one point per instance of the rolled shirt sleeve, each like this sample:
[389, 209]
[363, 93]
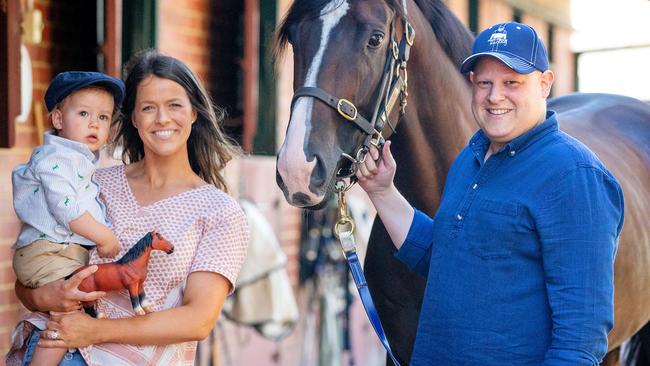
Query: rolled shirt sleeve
[416, 250]
[579, 227]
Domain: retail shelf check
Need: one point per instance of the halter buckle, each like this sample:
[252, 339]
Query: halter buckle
[410, 33]
[347, 109]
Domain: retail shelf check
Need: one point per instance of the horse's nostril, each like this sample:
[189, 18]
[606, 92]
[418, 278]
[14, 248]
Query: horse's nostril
[301, 199]
[319, 175]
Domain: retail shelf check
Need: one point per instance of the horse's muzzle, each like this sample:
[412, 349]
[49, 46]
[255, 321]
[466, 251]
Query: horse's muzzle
[170, 251]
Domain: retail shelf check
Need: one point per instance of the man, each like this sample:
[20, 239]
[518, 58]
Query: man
[519, 258]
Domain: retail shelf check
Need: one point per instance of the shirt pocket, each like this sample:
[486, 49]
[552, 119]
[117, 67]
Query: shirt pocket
[493, 229]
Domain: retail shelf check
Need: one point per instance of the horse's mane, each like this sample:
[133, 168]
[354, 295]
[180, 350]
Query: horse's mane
[136, 251]
[453, 36]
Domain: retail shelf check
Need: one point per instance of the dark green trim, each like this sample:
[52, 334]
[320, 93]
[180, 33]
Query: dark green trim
[517, 14]
[139, 26]
[265, 138]
[473, 15]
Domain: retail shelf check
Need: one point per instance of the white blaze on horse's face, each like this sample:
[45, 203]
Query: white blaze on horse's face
[293, 166]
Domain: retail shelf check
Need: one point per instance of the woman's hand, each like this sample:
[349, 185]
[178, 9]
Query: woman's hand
[376, 175]
[59, 295]
[69, 330]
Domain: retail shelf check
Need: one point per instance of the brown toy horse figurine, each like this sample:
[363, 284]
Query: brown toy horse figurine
[129, 272]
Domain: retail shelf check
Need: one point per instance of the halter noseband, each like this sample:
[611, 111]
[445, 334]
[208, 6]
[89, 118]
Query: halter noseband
[394, 84]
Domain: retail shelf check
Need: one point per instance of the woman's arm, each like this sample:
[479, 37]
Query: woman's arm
[203, 298]
[60, 295]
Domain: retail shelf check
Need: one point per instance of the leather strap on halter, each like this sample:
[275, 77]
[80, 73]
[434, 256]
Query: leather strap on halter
[393, 85]
[343, 106]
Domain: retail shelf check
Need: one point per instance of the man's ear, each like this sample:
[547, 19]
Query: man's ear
[471, 76]
[546, 80]
[57, 119]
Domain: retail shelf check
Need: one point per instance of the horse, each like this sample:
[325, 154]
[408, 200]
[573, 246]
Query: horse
[127, 273]
[340, 47]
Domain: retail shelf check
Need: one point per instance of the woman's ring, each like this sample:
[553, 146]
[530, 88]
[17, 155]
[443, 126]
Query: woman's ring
[54, 335]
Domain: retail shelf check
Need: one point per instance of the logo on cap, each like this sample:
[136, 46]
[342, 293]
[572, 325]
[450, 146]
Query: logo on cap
[500, 36]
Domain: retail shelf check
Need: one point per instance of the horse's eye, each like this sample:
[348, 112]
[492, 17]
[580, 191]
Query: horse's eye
[375, 40]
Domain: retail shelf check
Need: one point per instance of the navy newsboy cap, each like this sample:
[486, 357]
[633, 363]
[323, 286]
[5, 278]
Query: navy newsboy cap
[68, 82]
[516, 45]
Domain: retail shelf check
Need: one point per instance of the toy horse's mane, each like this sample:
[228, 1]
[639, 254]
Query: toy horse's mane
[136, 251]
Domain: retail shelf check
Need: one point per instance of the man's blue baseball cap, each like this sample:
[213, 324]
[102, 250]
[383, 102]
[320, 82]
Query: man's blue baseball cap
[68, 82]
[516, 45]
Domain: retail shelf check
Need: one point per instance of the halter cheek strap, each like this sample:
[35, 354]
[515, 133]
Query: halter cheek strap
[345, 108]
[393, 85]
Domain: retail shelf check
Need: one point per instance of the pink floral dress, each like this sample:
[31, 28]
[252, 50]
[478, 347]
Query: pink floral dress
[209, 232]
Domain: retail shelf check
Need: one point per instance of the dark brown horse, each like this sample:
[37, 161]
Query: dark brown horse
[340, 46]
[127, 273]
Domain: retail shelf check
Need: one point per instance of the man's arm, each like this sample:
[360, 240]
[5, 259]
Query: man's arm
[376, 178]
[579, 227]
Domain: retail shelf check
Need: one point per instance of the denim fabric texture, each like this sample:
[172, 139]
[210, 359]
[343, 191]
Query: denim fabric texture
[70, 359]
[519, 258]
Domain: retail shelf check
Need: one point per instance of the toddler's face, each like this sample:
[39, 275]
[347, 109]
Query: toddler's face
[85, 116]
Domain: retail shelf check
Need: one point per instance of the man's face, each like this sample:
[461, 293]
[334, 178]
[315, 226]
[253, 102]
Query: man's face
[505, 103]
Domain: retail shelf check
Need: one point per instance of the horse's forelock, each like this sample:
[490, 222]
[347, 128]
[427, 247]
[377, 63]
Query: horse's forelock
[298, 12]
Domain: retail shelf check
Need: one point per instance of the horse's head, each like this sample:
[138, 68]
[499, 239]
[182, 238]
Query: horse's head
[342, 50]
[161, 243]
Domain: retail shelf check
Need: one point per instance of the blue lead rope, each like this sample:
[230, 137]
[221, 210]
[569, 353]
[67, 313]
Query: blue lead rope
[368, 304]
[349, 249]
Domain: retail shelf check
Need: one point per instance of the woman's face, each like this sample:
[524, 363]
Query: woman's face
[163, 116]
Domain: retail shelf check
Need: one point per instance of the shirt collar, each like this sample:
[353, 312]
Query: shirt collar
[480, 141]
[50, 138]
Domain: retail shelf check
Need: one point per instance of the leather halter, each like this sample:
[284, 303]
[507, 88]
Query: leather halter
[394, 84]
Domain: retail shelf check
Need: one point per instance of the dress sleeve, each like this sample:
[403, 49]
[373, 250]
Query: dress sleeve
[60, 178]
[223, 244]
[579, 227]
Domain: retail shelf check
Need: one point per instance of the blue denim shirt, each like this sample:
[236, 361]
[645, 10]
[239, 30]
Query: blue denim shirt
[519, 258]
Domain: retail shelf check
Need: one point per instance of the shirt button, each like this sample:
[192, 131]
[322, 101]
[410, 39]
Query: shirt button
[512, 153]
[475, 186]
[61, 230]
[459, 217]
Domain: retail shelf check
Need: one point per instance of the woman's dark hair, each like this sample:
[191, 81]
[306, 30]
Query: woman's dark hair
[209, 149]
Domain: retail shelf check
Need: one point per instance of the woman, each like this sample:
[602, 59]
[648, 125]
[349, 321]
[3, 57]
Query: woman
[174, 151]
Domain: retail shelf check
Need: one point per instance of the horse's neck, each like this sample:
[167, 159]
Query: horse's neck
[437, 125]
[142, 260]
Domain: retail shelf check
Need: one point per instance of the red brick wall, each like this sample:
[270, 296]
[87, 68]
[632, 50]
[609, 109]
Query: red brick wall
[184, 33]
[26, 140]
